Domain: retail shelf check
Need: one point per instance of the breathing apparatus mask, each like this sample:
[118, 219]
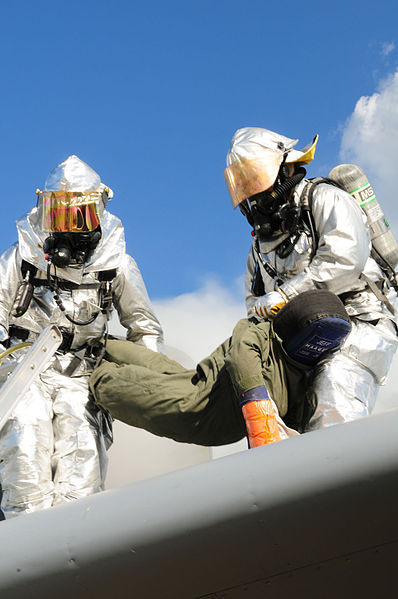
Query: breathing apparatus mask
[72, 220]
[71, 249]
[272, 212]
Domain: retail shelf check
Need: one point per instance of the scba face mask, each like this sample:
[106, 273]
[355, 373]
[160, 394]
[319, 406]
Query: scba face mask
[273, 212]
[71, 249]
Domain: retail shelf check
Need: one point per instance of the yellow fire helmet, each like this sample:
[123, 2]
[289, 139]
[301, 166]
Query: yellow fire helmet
[254, 159]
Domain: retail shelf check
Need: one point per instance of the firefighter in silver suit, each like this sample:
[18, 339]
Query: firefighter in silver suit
[72, 251]
[323, 243]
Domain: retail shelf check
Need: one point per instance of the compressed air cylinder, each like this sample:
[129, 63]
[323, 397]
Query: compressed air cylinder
[352, 178]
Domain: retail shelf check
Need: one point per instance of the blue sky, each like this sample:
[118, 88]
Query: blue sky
[150, 94]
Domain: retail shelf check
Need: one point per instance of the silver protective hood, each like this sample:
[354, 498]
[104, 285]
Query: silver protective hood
[129, 293]
[254, 159]
[75, 175]
[250, 142]
[108, 254]
[251, 139]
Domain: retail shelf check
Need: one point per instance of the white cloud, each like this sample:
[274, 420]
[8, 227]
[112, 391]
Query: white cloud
[195, 323]
[387, 48]
[370, 139]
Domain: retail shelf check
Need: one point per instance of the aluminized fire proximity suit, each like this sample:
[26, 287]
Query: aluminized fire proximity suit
[53, 448]
[324, 243]
[344, 387]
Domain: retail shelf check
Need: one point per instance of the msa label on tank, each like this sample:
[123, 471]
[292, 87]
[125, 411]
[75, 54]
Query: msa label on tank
[364, 195]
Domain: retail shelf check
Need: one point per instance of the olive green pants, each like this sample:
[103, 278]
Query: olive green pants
[150, 391]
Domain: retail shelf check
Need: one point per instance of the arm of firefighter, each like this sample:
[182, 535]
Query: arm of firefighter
[132, 303]
[10, 278]
[264, 307]
[267, 306]
[249, 349]
[343, 245]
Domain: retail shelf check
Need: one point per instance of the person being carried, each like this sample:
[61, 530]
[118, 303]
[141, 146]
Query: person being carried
[253, 384]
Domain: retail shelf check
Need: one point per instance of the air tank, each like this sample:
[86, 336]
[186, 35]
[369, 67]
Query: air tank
[352, 178]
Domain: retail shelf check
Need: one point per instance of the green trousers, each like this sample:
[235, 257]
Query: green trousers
[149, 390]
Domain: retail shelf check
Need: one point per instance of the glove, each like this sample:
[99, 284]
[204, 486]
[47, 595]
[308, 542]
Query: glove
[3, 334]
[268, 306]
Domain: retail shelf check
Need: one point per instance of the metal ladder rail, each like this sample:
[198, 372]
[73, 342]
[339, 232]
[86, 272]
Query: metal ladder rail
[35, 362]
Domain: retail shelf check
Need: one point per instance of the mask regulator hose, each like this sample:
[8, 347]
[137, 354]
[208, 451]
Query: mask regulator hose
[276, 196]
[54, 290]
[281, 189]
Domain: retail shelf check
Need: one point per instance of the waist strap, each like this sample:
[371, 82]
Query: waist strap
[376, 287]
[378, 291]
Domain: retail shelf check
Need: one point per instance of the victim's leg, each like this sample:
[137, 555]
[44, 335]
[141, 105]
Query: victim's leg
[128, 352]
[167, 405]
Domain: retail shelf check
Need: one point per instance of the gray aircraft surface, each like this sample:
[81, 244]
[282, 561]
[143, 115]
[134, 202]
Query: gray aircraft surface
[313, 516]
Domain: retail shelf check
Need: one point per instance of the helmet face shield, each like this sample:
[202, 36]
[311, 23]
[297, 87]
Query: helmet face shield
[248, 176]
[254, 159]
[70, 211]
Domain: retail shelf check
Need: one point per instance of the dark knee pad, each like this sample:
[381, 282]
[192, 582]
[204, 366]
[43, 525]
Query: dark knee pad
[311, 325]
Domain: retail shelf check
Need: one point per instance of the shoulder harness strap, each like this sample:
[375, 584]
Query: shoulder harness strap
[105, 277]
[257, 281]
[27, 267]
[306, 205]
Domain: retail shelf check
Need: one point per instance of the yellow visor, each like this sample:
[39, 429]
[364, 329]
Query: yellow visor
[304, 156]
[245, 177]
[70, 211]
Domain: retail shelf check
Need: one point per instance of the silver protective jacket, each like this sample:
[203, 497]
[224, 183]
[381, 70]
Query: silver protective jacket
[345, 386]
[128, 289]
[53, 447]
[341, 256]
